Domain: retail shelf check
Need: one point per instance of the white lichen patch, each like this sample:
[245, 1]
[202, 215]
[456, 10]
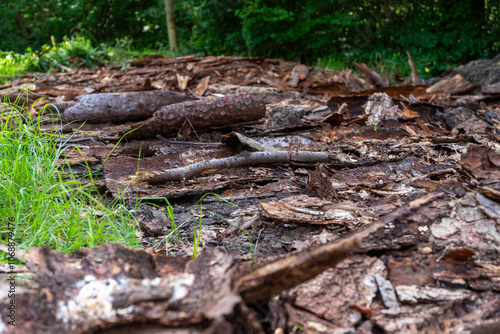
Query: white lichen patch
[3, 327]
[181, 287]
[340, 215]
[93, 301]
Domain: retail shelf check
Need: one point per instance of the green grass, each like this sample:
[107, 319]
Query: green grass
[40, 203]
[173, 236]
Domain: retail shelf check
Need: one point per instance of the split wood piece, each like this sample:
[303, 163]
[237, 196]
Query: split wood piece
[286, 273]
[240, 160]
[414, 73]
[202, 114]
[371, 75]
[202, 86]
[122, 107]
[451, 85]
[299, 72]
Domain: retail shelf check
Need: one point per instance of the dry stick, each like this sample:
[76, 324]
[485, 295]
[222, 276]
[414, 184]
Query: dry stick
[414, 73]
[286, 273]
[240, 160]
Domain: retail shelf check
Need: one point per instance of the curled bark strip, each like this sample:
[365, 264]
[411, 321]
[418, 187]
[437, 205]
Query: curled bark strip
[237, 141]
[240, 160]
[121, 107]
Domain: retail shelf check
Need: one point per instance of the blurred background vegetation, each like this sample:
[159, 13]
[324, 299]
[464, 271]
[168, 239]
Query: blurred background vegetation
[47, 34]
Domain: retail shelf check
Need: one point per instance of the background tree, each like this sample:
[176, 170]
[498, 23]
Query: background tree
[172, 32]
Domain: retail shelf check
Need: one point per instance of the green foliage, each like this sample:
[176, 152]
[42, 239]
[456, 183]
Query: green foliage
[12, 63]
[32, 22]
[70, 54]
[39, 203]
[438, 33]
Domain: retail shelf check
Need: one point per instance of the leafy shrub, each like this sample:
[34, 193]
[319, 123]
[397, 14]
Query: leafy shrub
[71, 53]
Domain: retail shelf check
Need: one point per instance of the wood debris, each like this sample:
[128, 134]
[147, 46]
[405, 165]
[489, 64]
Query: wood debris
[361, 207]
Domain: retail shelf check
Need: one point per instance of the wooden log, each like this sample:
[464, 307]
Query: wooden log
[122, 107]
[202, 114]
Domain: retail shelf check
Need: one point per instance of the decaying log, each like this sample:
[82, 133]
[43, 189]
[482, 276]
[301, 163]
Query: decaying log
[371, 75]
[121, 107]
[202, 114]
[240, 160]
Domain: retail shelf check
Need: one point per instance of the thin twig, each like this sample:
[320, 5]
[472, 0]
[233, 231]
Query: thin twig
[240, 160]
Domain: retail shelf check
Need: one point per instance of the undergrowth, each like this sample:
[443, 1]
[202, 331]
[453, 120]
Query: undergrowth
[71, 54]
[78, 52]
[42, 204]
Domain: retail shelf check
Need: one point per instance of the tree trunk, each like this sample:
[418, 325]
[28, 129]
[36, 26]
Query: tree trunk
[172, 33]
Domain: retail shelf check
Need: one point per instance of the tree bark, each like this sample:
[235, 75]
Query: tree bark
[172, 32]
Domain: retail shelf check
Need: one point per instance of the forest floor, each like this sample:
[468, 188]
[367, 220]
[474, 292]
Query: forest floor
[341, 206]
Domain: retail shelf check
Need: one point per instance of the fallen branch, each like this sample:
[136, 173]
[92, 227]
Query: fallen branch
[240, 160]
[278, 276]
